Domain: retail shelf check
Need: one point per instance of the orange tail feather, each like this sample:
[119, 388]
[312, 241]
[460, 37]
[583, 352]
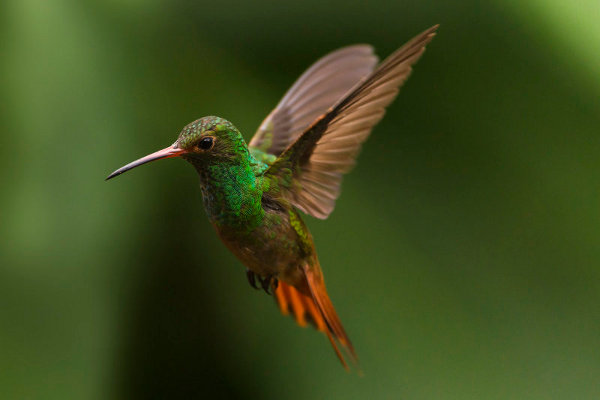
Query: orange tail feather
[315, 307]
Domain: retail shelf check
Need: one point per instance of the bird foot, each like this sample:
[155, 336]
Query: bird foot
[251, 278]
[269, 283]
[266, 283]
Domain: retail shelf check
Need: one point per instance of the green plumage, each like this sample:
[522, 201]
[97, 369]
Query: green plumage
[229, 175]
[242, 201]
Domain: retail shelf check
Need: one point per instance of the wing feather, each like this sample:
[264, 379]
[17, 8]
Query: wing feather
[321, 86]
[320, 156]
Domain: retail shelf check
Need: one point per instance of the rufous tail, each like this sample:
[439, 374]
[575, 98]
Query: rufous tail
[311, 304]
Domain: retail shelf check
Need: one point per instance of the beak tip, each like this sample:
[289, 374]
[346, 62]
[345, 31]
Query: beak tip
[111, 176]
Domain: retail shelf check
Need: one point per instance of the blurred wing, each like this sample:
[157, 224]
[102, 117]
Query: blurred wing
[309, 172]
[324, 83]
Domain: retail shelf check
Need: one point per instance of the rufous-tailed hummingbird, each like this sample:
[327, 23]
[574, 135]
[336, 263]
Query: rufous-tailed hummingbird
[295, 161]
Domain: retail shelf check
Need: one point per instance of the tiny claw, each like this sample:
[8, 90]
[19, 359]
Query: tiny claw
[251, 278]
[265, 283]
[269, 284]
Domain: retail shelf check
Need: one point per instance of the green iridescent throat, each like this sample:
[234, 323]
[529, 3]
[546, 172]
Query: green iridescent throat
[228, 174]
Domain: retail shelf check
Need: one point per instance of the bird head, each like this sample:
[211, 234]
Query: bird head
[204, 142]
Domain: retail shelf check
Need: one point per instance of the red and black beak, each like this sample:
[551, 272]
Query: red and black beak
[168, 152]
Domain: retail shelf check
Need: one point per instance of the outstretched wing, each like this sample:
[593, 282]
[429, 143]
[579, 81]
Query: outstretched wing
[309, 172]
[324, 83]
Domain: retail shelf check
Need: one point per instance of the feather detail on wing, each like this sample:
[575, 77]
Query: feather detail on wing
[324, 83]
[309, 172]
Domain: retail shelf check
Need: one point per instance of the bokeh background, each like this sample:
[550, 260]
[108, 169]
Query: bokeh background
[463, 255]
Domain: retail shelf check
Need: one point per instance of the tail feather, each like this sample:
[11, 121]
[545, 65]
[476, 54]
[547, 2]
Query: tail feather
[316, 284]
[315, 307]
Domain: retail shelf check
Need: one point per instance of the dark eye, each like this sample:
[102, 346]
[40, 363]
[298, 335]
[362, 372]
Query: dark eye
[205, 143]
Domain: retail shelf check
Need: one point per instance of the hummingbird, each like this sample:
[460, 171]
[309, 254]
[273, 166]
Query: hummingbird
[253, 193]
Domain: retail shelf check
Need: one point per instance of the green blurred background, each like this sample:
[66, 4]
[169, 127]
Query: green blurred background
[462, 257]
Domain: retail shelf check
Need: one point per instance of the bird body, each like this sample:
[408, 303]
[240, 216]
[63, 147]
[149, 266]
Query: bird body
[265, 233]
[295, 161]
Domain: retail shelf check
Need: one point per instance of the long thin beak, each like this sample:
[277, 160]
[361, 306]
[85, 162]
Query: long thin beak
[164, 153]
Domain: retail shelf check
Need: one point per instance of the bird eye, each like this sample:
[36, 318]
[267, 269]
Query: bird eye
[206, 143]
